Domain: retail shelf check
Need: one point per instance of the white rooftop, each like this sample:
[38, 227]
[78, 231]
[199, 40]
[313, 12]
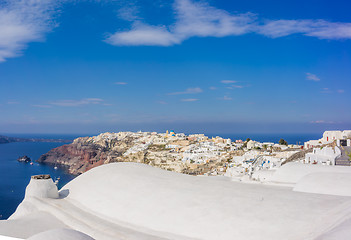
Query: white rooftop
[136, 201]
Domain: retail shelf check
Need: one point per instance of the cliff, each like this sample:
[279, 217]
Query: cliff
[89, 152]
[79, 156]
[195, 154]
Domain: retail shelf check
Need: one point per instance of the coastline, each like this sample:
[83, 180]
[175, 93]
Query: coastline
[14, 175]
[7, 139]
[133, 164]
[162, 150]
[102, 156]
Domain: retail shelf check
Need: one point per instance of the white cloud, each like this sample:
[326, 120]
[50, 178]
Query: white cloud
[226, 98]
[281, 28]
[41, 106]
[237, 86]
[311, 27]
[326, 90]
[190, 100]
[314, 28]
[318, 121]
[77, 103]
[13, 102]
[24, 21]
[322, 121]
[128, 12]
[142, 34]
[212, 88]
[193, 19]
[199, 19]
[188, 91]
[341, 91]
[121, 83]
[330, 30]
[312, 77]
[228, 81]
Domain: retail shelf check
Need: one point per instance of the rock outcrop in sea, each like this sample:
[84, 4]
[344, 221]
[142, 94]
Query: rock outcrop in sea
[24, 158]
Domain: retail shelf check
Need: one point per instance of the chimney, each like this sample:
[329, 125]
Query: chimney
[41, 186]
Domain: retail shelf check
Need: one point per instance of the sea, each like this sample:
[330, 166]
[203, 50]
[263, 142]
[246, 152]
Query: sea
[15, 176]
[291, 138]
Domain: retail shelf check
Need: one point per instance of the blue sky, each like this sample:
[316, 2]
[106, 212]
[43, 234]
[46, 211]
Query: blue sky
[195, 66]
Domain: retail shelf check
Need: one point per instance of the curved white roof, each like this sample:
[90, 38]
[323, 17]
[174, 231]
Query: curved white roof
[199, 207]
[135, 201]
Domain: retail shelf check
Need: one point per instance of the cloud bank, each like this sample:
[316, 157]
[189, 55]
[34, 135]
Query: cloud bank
[26, 21]
[199, 19]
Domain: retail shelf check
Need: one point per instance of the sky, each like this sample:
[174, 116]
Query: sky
[216, 66]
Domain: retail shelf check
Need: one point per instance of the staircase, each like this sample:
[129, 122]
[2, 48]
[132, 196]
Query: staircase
[344, 159]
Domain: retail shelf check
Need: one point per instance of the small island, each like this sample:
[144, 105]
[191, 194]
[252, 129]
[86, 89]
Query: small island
[24, 159]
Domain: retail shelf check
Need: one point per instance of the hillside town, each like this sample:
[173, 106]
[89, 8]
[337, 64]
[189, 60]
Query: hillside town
[197, 154]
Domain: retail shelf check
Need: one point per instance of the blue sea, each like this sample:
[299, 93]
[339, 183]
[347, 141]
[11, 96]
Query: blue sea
[291, 138]
[15, 176]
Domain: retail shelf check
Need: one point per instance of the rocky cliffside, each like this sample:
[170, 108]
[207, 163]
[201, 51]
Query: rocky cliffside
[194, 154]
[81, 155]
[88, 152]
[76, 159]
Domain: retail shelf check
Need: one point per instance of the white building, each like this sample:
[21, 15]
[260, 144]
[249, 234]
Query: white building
[137, 148]
[325, 155]
[159, 140]
[252, 144]
[312, 144]
[328, 137]
[268, 144]
[201, 152]
[172, 146]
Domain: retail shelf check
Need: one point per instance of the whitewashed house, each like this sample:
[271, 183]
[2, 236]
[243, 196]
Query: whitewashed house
[251, 144]
[329, 137]
[172, 146]
[325, 155]
[312, 144]
[159, 140]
